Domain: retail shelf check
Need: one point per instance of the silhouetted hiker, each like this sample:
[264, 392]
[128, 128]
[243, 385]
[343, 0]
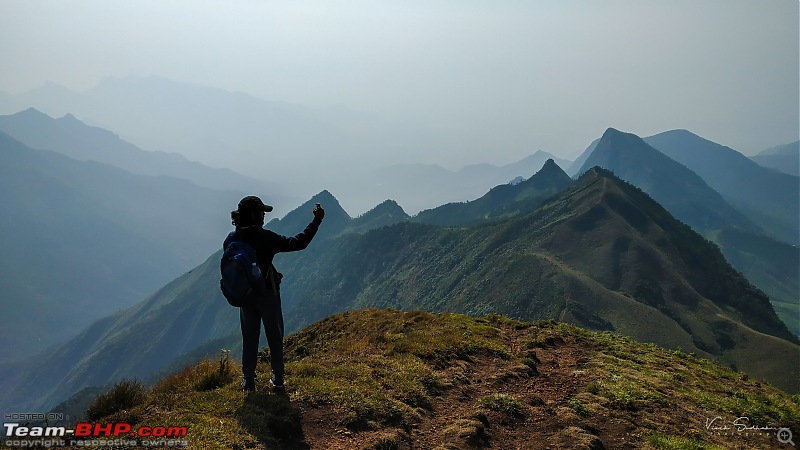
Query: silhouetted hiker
[249, 221]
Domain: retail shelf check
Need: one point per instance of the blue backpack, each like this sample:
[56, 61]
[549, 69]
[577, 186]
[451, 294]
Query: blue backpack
[242, 282]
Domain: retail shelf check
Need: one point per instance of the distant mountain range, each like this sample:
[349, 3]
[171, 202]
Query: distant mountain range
[678, 189]
[768, 198]
[363, 158]
[71, 137]
[600, 254]
[301, 149]
[90, 168]
[770, 264]
[785, 158]
[84, 239]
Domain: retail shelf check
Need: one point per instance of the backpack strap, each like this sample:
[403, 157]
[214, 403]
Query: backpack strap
[271, 279]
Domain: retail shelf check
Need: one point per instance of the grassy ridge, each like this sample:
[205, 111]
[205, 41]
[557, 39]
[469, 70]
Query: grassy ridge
[388, 379]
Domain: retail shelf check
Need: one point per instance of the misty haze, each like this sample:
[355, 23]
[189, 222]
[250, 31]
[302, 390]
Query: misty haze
[569, 223]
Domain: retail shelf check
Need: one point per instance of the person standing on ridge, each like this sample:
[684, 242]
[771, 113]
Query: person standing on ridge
[249, 222]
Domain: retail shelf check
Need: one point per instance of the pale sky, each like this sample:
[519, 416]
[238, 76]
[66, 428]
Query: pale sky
[516, 76]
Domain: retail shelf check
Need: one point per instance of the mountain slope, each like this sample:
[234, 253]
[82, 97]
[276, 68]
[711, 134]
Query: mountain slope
[769, 198]
[602, 255]
[772, 265]
[84, 239]
[387, 379]
[503, 200]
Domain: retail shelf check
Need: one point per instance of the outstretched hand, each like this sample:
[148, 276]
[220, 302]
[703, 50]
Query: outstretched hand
[319, 212]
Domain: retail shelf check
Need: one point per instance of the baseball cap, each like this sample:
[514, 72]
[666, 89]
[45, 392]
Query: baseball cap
[253, 203]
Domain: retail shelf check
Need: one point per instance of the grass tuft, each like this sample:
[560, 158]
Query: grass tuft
[665, 442]
[502, 403]
[122, 396]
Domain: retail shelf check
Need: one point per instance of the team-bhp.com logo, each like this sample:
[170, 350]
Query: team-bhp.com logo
[94, 435]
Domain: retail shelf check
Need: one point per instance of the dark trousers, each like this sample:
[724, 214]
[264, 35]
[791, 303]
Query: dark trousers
[270, 313]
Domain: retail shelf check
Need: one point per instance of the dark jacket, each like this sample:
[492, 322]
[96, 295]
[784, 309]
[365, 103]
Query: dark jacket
[268, 243]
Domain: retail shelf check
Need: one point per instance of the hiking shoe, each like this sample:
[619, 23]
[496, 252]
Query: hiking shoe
[277, 383]
[248, 384]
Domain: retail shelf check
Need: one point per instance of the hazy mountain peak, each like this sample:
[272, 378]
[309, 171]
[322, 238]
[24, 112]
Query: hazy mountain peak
[49, 87]
[613, 133]
[31, 112]
[616, 147]
[551, 166]
[68, 117]
[784, 158]
[792, 148]
[388, 204]
[551, 175]
[336, 218]
[769, 198]
[386, 213]
[325, 197]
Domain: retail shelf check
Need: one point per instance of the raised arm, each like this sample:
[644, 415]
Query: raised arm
[300, 241]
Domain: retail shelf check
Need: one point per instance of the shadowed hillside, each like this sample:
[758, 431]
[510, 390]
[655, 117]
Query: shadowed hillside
[383, 379]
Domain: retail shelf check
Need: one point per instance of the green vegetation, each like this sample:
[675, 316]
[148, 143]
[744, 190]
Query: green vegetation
[664, 442]
[123, 396]
[502, 403]
[644, 375]
[383, 378]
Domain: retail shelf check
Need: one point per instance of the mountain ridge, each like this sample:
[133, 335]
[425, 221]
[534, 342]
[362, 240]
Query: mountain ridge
[690, 199]
[503, 200]
[768, 198]
[522, 266]
[452, 282]
[702, 207]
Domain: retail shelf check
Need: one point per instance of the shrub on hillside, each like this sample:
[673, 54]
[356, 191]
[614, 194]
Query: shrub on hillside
[124, 395]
